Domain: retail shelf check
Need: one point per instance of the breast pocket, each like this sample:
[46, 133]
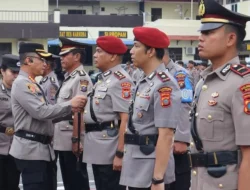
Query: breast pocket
[100, 100]
[65, 96]
[5, 103]
[211, 126]
[142, 112]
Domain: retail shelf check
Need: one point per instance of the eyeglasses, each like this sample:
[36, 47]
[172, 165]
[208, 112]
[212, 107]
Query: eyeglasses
[40, 58]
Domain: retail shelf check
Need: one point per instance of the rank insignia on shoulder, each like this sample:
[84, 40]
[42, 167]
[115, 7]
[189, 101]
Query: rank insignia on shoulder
[239, 69]
[225, 69]
[82, 73]
[163, 76]
[84, 85]
[119, 75]
[52, 80]
[246, 98]
[107, 73]
[126, 90]
[73, 74]
[165, 93]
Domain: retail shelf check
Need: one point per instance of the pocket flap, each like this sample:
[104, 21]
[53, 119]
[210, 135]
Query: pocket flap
[64, 95]
[136, 153]
[100, 95]
[212, 115]
[143, 104]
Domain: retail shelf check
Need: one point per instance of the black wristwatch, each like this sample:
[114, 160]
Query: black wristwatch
[74, 139]
[157, 181]
[119, 154]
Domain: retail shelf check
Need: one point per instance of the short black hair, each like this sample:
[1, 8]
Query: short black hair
[240, 33]
[192, 62]
[23, 56]
[82, 53]
[4, 67]
[160, 52]
[180, 62]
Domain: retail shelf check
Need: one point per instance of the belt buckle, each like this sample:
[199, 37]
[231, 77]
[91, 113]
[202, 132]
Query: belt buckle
[190, 159]
[215, 158]
[9, 131]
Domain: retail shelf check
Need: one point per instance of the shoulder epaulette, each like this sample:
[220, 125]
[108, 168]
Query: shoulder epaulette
[152, 75]
[107, 73]
[225, 69]
[82, 73]
[52, 80]
[119, 75]
[239, 69]
[163, 77]
[73, 74]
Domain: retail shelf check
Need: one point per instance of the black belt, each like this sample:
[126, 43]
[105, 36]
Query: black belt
[140, 139]
[222, 158]
[34, 136]
[100, 126]
[7, 130]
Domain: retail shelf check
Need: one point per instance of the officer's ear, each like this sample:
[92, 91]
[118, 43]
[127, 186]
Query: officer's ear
[77, 57]
[113, 57]
[151, 52]
[28, 61]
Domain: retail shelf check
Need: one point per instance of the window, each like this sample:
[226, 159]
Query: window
[156, 13]
[175, 53]
[77, 12]
[232, 1]
[103, 9]
[234, 7]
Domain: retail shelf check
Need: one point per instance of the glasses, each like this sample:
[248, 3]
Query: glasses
[40, 58]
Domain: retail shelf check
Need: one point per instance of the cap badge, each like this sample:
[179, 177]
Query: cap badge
[201, 10]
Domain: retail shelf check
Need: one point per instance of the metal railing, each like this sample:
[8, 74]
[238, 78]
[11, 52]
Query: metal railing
[26, 17]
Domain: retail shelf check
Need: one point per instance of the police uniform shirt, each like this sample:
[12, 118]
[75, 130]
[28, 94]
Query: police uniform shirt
[222, 120]
[112, 96]
[157, 105]
[75, 83]
[50, 86]
[182, 133]
[6, 118]
[32, 113]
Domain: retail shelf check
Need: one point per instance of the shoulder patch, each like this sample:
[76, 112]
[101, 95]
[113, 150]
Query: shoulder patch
[163, 77]
[180, 77]
[52, 80]
[126, 90]
[81, 73]
[119, 75]
[165, 93]
[84, 85]
[239, 69]
[245, 88]
[225, 69]
[31, 87]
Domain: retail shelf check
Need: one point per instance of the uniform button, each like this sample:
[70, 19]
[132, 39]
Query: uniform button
[194, 173]
[67, 126]
[138, 93]
[204, 87]
[196, 114]
[85, 112]
[220, 186]
[104, 136]
[209, 117]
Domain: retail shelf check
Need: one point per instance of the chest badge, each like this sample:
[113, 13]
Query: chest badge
[212, 102]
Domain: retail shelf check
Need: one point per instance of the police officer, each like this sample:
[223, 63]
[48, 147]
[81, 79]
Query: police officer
[220, 113]
[9, 175]
[76, 82]
[153, 116]
[49, 81]
[106, 114]
[182, 134]
[31, 146]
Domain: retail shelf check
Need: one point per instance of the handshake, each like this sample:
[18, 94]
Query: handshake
[78, 103]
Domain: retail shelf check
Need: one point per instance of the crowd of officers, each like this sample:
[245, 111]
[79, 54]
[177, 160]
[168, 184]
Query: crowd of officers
[134, 132]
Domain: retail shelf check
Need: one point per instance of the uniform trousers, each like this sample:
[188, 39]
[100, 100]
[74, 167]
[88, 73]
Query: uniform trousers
[9, 175]
[37, 174]
[106, 178]
[72, 178]
[182, 173]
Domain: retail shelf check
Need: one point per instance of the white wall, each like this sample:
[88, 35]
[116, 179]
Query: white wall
[24, 5]
[64, 9]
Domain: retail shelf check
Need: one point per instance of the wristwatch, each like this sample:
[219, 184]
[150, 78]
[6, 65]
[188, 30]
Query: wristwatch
[74, 139]
[157, 181]
[119, 154]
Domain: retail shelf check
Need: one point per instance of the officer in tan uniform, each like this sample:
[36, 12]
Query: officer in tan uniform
[9, 175]
[49, 81]
[106, 114]
[220, 117]
[153, 116]
[31, 146]
[182, 134]
[76, 82]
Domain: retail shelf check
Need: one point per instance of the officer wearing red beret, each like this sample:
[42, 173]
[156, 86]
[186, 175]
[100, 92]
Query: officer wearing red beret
[148, 162]
[106, 114]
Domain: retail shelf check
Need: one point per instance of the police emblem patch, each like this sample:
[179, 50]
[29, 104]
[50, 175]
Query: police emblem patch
[126, 90]
[180, 77]
[84, 85]
[245, 88]
[165, 94]
[246, 98]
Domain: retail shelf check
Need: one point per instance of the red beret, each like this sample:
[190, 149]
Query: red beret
[151, 37]
[112, 45]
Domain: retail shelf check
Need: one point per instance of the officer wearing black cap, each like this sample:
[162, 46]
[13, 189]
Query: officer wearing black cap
[31, 146]
[76, 82]
[220, 115]
[9, 175]
[49, 81]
